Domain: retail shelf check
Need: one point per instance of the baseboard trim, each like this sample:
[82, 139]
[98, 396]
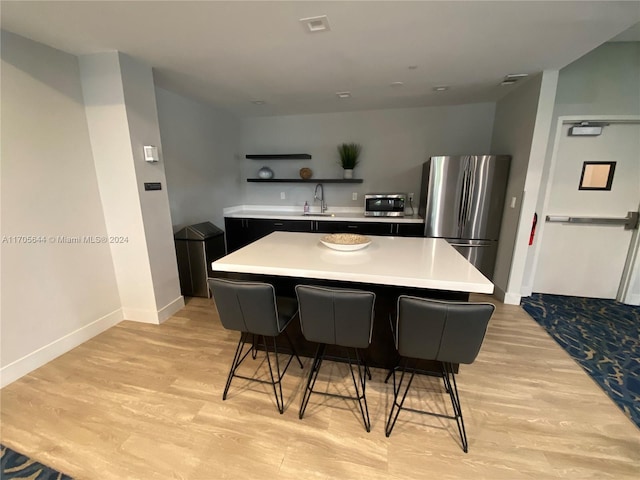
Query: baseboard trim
[512, 298]
[152, 316]
[507, 298]
[21, 367]
[632, 300]
[168, 310]
[140, 315]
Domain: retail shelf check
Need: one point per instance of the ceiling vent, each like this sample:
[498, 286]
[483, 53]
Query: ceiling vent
[316, 24]
[344, 94]
[512, 78]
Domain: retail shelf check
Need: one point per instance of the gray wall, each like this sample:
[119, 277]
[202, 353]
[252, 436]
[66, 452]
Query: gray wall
[200, 146]
[604, 82]
[52, 293]
[513, 134]
[395, 143]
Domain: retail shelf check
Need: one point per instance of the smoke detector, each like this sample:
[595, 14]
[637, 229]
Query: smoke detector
[316, 24]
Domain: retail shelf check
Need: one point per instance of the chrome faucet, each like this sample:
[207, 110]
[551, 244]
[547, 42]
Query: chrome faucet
[323, 204]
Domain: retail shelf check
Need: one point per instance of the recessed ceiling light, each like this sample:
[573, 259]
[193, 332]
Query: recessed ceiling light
[257, 102]
[396, 84]
[316, 24]
[343, 94]
[441, 88]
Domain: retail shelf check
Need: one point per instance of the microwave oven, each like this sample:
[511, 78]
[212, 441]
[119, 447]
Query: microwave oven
[384, 204]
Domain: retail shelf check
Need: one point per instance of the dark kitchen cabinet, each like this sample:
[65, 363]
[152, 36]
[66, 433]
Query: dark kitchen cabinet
[264, 226]
[237, 233]
[243, 231]
[364, 228]
[408, 229]
[373, 228]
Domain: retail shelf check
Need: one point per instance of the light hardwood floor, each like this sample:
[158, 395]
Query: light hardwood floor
[144, 402]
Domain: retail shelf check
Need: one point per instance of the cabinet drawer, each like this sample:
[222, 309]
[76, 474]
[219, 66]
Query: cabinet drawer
[364, 228]
[409, 229]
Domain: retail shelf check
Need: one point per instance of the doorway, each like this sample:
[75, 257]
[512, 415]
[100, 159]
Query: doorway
[584, 259]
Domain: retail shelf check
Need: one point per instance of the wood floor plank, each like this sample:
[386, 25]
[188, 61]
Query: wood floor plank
[144, 401]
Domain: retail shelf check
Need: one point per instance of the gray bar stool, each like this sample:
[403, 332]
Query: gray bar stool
[253, 309]
[447, 332]
[342, 317]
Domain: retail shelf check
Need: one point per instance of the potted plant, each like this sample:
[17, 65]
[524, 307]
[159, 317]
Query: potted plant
[349, 153]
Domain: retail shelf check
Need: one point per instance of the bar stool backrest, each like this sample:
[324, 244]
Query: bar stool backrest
[336, 316]
[443, 331]
[246, 306]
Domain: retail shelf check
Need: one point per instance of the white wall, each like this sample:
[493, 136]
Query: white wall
[604, 82]
[200, 147]
[54, 296]
[142, 116]
[395, 143]
[121, 112]
[521, 129]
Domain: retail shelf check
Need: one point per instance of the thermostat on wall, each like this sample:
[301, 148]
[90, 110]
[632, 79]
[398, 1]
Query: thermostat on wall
[151, 153]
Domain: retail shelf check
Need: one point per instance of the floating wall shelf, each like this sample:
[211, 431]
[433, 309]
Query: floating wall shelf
[283, 156]
[300, 180]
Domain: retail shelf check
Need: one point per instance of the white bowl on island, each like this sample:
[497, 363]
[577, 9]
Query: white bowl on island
[345, 242]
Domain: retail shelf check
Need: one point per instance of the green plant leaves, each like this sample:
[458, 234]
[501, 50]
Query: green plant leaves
[349, 153]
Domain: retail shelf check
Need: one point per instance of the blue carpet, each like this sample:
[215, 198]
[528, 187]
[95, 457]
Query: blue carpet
[17, 466]
[603, 336]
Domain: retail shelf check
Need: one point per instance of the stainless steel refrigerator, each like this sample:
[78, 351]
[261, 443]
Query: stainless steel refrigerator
[461, 200]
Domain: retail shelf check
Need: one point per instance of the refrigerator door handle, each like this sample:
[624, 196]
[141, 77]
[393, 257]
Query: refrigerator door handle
[470, 245]
[471, 189]
[463, 199]
[466, 197]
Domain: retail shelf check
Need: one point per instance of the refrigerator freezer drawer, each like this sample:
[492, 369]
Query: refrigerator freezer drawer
[481, 254]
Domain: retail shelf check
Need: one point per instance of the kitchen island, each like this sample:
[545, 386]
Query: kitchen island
[389, 266]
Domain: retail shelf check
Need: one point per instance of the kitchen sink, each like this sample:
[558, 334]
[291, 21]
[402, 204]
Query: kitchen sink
[318, 214]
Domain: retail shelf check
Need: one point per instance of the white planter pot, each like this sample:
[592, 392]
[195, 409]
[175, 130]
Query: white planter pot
[348, 173]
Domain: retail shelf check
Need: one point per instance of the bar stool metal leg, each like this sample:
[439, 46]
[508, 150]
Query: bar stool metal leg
[362, 377]
[293, 349]
[452, 389]
[313, 376]
[237, 359]
[395, 406]
[275, 379]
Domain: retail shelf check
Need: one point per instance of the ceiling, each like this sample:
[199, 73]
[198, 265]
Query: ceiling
[230, 53]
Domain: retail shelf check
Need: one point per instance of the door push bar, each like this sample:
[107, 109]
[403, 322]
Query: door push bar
[630, 222]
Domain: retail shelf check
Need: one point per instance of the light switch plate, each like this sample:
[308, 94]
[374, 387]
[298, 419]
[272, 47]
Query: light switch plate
[151, 154]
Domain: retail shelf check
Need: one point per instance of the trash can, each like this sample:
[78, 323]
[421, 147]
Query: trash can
[196, 247]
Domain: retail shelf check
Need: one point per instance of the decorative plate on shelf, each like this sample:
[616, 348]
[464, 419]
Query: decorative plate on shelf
[306, 173]
[345, 242]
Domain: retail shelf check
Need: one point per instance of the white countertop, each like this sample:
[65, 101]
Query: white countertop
[342, 214]
[400, 261]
